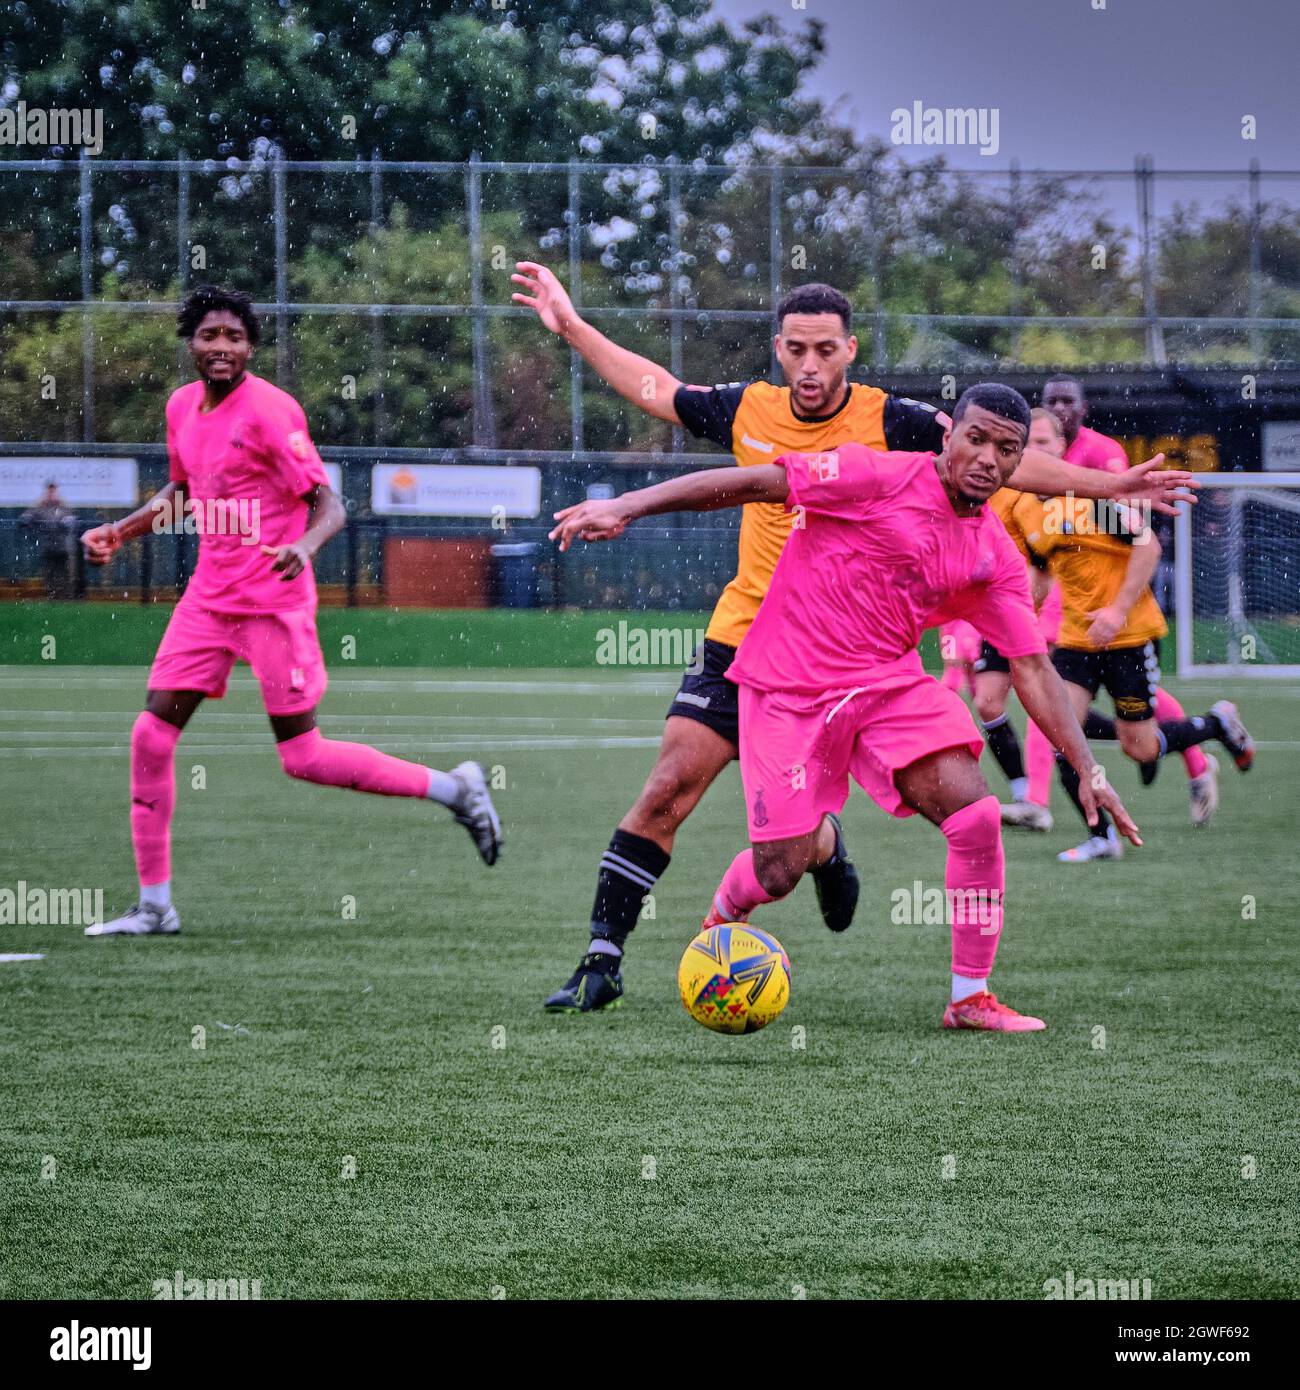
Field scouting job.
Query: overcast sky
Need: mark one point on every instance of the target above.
(1075, 87)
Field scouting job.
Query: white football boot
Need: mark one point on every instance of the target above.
(1203, 793)
(144, 919)
(1108, 846)
(1026, 815)
(474, 810)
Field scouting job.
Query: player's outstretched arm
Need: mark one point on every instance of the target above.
(708, 490)
(1111, 617)
(1043, 695)
(101, 543)
(635, 378)
(1162, 488)
(326, 516)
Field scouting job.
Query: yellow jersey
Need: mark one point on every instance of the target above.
(1085, 545)
(758, 424)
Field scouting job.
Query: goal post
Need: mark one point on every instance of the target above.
(1237, 577)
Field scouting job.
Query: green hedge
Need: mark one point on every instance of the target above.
(101, 634)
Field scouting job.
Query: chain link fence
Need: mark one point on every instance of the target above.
(390, 316)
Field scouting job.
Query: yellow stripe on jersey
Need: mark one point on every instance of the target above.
(766, 427)
(1086, 559)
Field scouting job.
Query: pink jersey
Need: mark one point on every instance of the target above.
(877, 555)
(246, 467)
(1092, 449)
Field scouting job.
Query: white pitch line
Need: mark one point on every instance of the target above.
(649, 685)
(266, 746)
(258, 719)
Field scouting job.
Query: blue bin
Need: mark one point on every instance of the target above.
(515, 567)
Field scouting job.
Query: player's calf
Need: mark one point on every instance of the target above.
(311, 757)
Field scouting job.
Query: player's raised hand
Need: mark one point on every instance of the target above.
(1162, 488)
(290, 560)
(545, 295)
(101, 543)
(1104, 797)
(591, 521)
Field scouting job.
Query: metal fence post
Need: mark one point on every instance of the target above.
(281, 270)
(377, 320)
(1013, 306)
(674, 289)
(182, 244)
(1144, 172)
(183, 222)
(774, 254)
(87, 289)
(873, 270)
(1256, 277)
(576, 430)
(485, 434)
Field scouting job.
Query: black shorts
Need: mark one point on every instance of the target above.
(1129, 674)
(990, 660)
(707, 696)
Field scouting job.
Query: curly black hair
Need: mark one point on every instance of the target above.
(1001, 400)
(204, 299)
(816, 299)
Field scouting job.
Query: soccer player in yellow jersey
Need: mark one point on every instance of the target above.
(1102, 556)
(757, 422)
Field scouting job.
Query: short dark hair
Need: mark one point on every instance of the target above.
(815, 299)
(997, 399)
(1065, 380)
(205, 299)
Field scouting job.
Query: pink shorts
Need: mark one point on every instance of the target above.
(797, 752)
(200, 646)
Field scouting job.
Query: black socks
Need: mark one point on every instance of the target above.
(629, 869)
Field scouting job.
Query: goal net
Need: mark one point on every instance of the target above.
(1237, 577)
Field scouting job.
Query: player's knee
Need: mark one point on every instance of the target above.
(1138, 741)
(777, 875)
(976, 826)
(298, 755)
(152, 737)
(989, 705)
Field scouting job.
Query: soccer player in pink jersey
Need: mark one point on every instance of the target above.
(1084, 447)
(244, 468)
(831, 683)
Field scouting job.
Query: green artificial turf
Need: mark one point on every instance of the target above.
(499, 1148)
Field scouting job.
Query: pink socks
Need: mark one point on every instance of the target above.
(309, 756)
(1167, 707)
(740, 892)
(975, 879)
(1040, 763)
(153, 795)
(332, 763)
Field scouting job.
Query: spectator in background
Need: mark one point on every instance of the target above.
(55, 528)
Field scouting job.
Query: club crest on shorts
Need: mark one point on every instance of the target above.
(760, 809)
